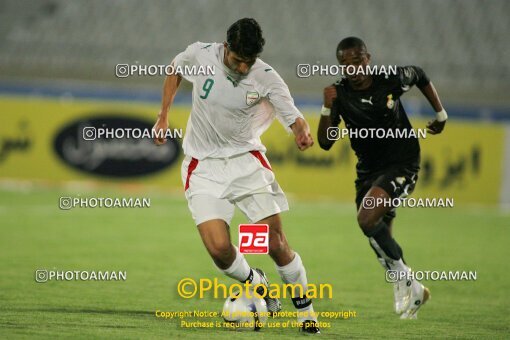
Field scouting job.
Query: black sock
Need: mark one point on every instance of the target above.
(400, 251)
(379, 257)
(387, 220)
(386, 242)
(249, 279)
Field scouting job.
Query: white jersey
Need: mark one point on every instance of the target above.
(230, 112)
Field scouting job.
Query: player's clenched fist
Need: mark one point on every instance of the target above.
(301, 131)
(329, 96)
(304, 140)
(435, 127)
(160, 128)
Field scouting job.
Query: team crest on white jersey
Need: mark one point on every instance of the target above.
(252, 97)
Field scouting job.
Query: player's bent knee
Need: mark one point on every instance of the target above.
(367, 224)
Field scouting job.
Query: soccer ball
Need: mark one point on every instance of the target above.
(242, 313)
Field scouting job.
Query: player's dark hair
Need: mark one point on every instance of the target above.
(244, 37)
(351, 42)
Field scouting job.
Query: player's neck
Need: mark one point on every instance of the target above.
(363, 86)
(225, 60)
(228, 69)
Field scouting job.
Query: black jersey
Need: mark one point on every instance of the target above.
(379, 107)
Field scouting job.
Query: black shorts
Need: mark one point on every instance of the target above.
(397, 181)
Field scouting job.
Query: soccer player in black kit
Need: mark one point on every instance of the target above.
(387, 168)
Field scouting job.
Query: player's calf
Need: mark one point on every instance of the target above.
(279, 249)
(222, 254)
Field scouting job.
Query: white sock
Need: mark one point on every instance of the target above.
(295, 273)
(241, 271)
(383, 263)
(398, 265)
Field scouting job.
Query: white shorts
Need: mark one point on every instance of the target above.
(214, 186)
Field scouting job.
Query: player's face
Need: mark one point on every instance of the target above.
(357, 57)
(237, 63)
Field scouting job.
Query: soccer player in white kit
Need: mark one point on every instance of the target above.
(225, 164)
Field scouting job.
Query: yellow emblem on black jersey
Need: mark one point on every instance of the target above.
(390, 103)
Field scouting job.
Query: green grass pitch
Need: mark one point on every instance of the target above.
(159, 246)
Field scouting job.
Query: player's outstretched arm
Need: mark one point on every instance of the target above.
(325, 122)
(437, 125)
(169, 90)
(301, 131)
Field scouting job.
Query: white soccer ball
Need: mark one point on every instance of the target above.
(242, 313)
